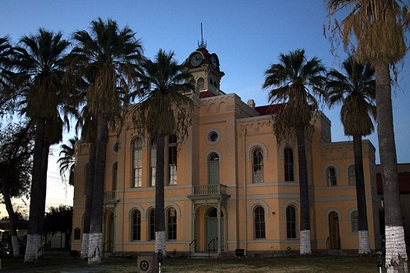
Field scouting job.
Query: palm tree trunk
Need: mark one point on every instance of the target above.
(10, 211)
(88, 200)
(96, 220)
(305, 241)
(42, 201)
(36, 204)
(364, 241)
(396, 255)
(159, 198)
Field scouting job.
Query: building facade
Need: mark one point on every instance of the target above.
(229, 185)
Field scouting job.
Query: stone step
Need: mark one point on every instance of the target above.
(205, 255)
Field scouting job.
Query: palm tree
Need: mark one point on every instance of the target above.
(16, 150)
(87, 124)
(67, 159)
(40, 64)
(378, 26)
(168, 108)
(6, 54)
(103, 56)
(288, 82)
(356, 91)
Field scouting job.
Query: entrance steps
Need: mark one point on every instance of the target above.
(205, 255)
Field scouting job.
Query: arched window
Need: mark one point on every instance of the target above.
(114, 175)
(172, 160)
(153, 161)
(192, 82)
(291, 222)
(151, 223)
(257, 165)
(213, 169)
(137, 162)
(354, 219)
(331, 176)
(289, 165)
(259, 223)
(201, 84)
(136, 225)
(171, 224)
(352, 175)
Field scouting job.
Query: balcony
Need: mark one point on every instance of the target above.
(209, 193)
(209, 189)
(110, 199)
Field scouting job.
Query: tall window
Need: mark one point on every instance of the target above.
(87, 173)
(289, 166)
(291, 222)
(171, 224)
(172, 160)
(354, 218)
(114, 175)
(213, 169)
(259, 222)
(331, 176)
(151, 228)
(137, 162)
(136, 225)
(257, 165)
(352, 175)
(201, 84)
(153, 162)
(192, 82)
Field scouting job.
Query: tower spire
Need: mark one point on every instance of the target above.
(202, 43)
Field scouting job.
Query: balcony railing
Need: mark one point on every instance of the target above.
(109, 197)
(209, 189)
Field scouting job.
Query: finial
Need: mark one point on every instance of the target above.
(202, 44)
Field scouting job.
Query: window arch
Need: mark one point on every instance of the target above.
(171, 224)
(153, 161)
(136, 225)
(137, 162)
(291, 222)
(354, 219)
(331, 177)
(201, 84)
(257, 165)
(172, 160)
(259, 222)
(289, 164)
(151, 224)
(351, 172)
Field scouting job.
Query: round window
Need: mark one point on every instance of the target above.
(115, 147)
(213, 137)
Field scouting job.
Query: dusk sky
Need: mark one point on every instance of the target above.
(247, 36)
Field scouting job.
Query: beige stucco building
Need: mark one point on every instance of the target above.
(229, 185)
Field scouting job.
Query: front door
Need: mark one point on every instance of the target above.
(334, 230)
(212, 238)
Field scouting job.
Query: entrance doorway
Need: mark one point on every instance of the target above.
(212, 237)
(334, 239)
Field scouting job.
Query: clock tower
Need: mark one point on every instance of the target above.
(204, 67)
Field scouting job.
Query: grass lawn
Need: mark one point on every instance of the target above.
(55, 262)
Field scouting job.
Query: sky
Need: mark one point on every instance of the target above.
(247, 36)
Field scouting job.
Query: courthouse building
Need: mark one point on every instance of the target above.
(229, 185)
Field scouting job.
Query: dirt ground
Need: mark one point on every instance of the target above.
(59, 263)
